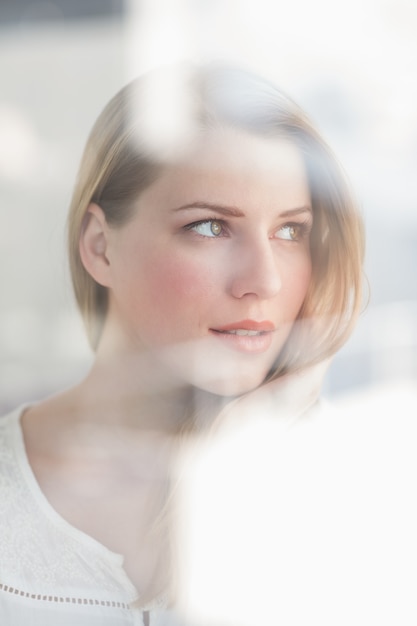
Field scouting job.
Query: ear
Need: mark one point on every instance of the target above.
(93, 245)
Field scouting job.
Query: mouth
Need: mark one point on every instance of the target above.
(251, 326)
(242, 332)
(246, 336)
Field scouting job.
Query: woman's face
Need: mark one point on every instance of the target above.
(210, 273)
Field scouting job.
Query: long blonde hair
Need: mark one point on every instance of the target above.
(118, 163)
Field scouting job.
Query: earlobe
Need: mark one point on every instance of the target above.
(93, 245)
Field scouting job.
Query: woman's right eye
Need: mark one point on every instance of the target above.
(207, 228)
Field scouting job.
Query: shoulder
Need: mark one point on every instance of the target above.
(12, 460)
(12, 416)
(9, 436)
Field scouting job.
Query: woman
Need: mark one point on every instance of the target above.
(214, 248)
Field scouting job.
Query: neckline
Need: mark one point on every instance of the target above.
(116, 559)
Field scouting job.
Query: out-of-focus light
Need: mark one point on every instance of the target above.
(157, 33)
(313, 523)
(162, 109)
(18, 146)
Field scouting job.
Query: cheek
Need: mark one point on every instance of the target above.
(304, 278)
(179, 278)
(297, 283)
(170, 295)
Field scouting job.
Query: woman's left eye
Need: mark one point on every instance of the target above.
(291, 232)
(207, 228)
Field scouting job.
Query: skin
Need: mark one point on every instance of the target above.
(172, 281)
(102, 451)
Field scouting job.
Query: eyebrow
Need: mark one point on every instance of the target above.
(234, 211)
(297, 211)
(218, 208)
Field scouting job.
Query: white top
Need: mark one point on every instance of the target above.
(51, 573)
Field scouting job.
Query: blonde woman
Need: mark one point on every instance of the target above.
(215, 250)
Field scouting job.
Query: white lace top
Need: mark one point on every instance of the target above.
(51, 573)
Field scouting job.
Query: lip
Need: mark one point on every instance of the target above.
(253, 343)
(264, 326)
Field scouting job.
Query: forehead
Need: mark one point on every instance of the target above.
(240, 151)
(232, 165)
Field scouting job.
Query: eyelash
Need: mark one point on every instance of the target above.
(208, 221)
(303, 229)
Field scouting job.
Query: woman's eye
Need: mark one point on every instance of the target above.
(290, 232)
(208, 228)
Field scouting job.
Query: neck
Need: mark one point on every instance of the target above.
(130, 385)
(132, 391)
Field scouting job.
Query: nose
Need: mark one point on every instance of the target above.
(255, 271)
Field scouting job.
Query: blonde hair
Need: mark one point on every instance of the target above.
(118, 163)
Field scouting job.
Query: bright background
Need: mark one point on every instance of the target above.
(351, 66)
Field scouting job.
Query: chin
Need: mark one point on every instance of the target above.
(230, 387)
(222, 373)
